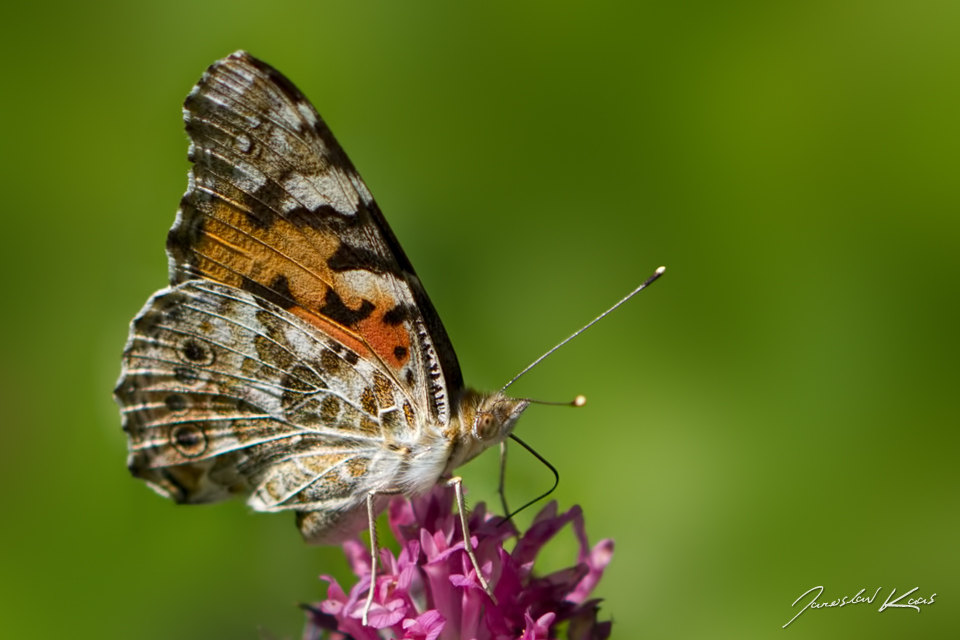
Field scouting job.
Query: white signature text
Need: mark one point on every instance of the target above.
(889, 603)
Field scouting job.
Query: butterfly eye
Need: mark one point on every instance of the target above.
(486, 427)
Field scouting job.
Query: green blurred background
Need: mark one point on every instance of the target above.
(779, 412)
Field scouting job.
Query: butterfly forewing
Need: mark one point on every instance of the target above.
(275, 208)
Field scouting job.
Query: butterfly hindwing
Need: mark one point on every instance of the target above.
(224, 393)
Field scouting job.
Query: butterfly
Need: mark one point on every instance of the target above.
(295, 357)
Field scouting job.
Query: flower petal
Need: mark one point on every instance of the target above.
(597, 561)
(427, 626)
(383, 616)
(544, 527)
(539, 630)
(358, 556)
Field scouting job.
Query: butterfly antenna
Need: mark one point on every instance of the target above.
(556, 476)
(579, 401)
(646, 283)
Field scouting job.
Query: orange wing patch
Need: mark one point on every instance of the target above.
(275, 208)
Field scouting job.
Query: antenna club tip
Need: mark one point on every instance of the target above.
(661, 270)
(579, 401)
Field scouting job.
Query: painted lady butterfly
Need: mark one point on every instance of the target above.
(295, 357)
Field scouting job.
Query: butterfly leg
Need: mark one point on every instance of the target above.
(457, 483)
(374, 547)
(502, 489)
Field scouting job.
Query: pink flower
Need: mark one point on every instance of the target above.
(431, 591)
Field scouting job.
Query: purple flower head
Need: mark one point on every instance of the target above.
(431, 592)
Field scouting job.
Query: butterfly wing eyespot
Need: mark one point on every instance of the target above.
(189, 440)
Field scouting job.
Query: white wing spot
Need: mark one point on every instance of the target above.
(307, 112)
(242, 143)
(321, 190)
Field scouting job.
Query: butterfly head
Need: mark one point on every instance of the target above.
(495, 417)
(485, 420)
